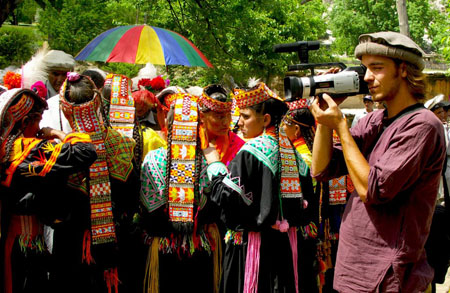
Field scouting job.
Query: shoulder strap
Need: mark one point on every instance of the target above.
(409, 110)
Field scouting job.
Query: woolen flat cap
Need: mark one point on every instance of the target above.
(59, 60)
(392, 45)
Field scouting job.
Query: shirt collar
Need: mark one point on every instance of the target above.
(389, 121)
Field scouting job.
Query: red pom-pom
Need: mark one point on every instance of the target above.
(158, 83)
(145, 82)
(154, 85)
(12, 80)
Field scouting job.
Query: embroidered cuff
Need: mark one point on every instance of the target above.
(77, 137)
(215, 169)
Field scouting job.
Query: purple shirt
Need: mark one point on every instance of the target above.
(390, 229)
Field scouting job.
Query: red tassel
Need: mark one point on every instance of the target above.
(86, 254)
(111, 278)
(195, 238)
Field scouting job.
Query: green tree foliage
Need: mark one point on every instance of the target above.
(445, 39)
(26, 11)
(350, 18)
(16, 45)
(75, 25)
(237, 36)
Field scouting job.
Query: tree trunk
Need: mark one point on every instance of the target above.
(145, 17)
(15, 18)
(403, 17)
(6, 8)
(137, 15)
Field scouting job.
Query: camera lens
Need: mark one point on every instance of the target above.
(293, 88)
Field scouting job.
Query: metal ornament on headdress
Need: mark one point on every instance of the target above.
(213, 104)
(255, 96)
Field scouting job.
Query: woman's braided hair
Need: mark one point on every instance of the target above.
(169, 149)
(276, 109)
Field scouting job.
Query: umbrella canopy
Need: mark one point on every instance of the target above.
(141, 44)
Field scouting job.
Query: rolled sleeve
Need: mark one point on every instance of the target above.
(400, 165)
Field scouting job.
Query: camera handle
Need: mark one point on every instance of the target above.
(312, 66)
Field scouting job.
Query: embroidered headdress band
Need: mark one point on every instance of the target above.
(121, 109)
(9, 115)
(214, 104)
(83, 118)
(298, 104)
(295, 105)
(183, 152)
(169, 100)
(255, 96)
(22, 107)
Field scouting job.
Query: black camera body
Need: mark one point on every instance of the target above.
(348, 82)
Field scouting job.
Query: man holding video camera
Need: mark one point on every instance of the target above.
(394, 158)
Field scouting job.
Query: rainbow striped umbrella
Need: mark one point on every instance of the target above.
(141, 44)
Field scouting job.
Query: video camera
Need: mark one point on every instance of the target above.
(348, 82)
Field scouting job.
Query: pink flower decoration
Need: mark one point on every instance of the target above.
(40, 88)
(73, 76)
(284, 226)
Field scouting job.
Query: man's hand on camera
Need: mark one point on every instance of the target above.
(327, 112)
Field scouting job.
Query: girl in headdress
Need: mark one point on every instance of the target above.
(97, 243)
(299, 126)
(33, 172)
(259, 255)
(179, 222)
(318, 232)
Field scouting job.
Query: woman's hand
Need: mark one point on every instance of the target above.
(50, 133)
(211, 153)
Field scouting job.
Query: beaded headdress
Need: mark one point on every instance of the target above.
(295, 105)
(121, 109)
(84, 118)
(183, 148)
(213, 104)
(254, 96)
(10, 115)
(165, 96)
